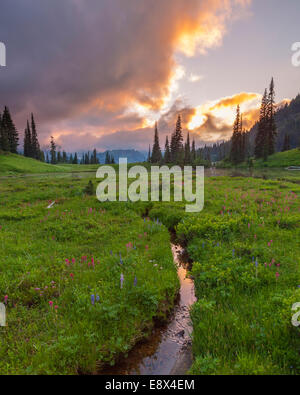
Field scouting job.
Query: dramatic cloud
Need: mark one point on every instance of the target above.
(93, 71)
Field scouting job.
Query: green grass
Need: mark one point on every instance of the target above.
(34, 245)
(242, 320)
(11, 164)
(278, 160)
(281, 159)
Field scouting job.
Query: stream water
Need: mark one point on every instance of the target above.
(168, 349)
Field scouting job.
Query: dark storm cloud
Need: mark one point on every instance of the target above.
(80, 63)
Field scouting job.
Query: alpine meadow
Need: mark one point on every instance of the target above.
(149, 190)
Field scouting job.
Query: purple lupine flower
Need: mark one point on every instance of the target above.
(122, 280)
(135, 281)
(233, 252)
(256, 263)
(97, 298)
(93, 299)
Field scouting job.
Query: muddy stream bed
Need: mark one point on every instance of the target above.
(168, 349)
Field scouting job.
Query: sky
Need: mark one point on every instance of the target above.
(100, 73)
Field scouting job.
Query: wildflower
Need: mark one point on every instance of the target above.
(93, 299)
(56, 307)
(51, 303)
(37, 289)
(122, 280)
(147, 247)
(5, 298)
(135, 281)
(97, 298)
(72, 276)
(73, 260)
(277, 275)
(256, 263)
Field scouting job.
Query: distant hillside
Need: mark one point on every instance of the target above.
(281, 159)
(11, 163)
(18, 164)
(288, 122)
(132, 155)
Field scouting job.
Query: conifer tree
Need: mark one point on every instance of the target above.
(187, 150)
(260, 149)
(27, 141)
(59, 157)
(94, 159)
(176, 142)
(5, 138)
(107, 158)
(193, 153)
(53, 151)
(167, 155)
(75, 160)
(235, 154)
(10, 133)
(149, 155)
(156, 156)
(64, 157)
(35, 146)
(271, 112)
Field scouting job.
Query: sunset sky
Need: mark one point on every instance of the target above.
(99, 73)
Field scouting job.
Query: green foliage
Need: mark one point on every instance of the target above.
(89, 189)
(65, 255)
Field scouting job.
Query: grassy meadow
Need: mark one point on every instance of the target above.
(245, 252)
(84, 281)
(81, 281)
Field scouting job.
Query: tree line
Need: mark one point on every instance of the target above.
(265, 139)
(176, 151)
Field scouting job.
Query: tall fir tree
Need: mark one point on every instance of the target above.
(187, 151)
(10, 131)
(59, 157)
(94, 159)
(107, 158)
(35, 146)
(261, 145)
(64, 157)
(149, 155)
(5, 130)
(167, 154)
(193, 152)
(271, 112)
(75, 160)
(27, 141)
(176, 142)
(53, 159)
(156, 156)
(236, 140)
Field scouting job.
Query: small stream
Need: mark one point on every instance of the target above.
(168, 350)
